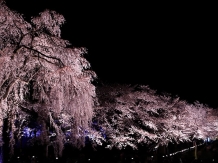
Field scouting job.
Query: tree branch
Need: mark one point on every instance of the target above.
(61, 64)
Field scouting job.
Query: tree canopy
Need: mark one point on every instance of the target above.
(42, 75)
(133, 115)
(46, 85)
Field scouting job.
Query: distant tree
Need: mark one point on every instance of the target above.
(196, 121)
(42, 79)
(133, 115)
(210, 124)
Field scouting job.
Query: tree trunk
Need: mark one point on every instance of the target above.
(196, 156)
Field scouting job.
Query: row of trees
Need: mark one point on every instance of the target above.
(133, 115)
(46, 86)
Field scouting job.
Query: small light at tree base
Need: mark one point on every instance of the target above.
(56, 158)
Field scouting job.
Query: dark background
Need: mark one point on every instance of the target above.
(171, 47)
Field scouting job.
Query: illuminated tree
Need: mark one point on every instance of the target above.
(45, 81)
(42, 76)
(133, 115)
(196, 121)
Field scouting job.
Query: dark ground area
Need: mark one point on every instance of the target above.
(206, 153)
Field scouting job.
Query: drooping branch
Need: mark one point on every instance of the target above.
(61, 64)
(10, 87)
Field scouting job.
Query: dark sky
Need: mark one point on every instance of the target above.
(170, 47)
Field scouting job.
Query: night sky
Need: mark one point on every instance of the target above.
(170, 47)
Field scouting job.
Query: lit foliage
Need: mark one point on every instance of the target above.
(41, 75)
(44, 81)
(133, 115)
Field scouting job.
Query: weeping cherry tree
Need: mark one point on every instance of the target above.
(42, 75)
